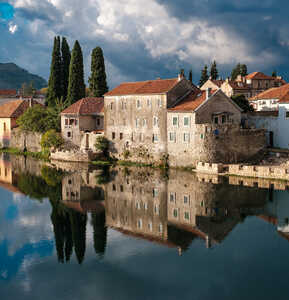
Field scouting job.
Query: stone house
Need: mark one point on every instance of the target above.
(82, 122)
(249, 85)
(269, 99)
(275, 122)
(205, 126)
(9, 113)
(212, 84)
(136, 117)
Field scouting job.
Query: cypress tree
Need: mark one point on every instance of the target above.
(182, 72)
(191, 76)
(214, 71)
(76, 86)
(65, 62)
(236, 71)
(97, 81)
(243, 70)
(274, 73)
(99, 233)
(204, 76)
(54, 84)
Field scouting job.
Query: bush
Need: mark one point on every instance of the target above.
(51, 139)
(102, 144)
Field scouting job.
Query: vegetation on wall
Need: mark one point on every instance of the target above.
(51, 139)
(102, 144)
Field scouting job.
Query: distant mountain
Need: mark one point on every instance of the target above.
(12, 77)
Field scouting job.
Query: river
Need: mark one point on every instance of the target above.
(78, 232)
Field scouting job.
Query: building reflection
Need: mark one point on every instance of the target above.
(174, 210)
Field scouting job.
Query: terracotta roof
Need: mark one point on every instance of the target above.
(258, 75)
(191, 102)
(8, 92)
(14, 109)
(281, 93)
(158, 86)
(85, 106)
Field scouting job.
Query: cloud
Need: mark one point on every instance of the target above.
(12, 27)
(153, 38)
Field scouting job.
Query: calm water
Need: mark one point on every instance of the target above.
(138, 234)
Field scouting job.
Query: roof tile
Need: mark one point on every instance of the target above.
(281, 93)
(14, 109)
(85, 106)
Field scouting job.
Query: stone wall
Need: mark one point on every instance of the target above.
(259, 171)
(25, 140)
(230, 144)
(74, 156)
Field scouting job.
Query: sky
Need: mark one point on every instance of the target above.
(147, 39)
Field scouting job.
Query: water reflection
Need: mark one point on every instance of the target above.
(173, 210)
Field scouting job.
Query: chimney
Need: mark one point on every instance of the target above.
(208, 93)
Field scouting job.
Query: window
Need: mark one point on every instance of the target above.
(186, 200)
(138, 103)
(172, 197)
(155, 192)
(71, 121)
(161, 228)
(187, 215)
(113, 187)
(150, 226)
(111, 106)
(98, 122)
(139, 223)
(216, 120)
(157, 209)
(136, 123)
(137, 205)
(141, 138)
(121, 188)
(160, 102)
(113, 135)
(66, 121)
(156, 122)
(149, 103)
(121, 136)
(175, 213)
(75, 123)
(123, 105)
(175, 121)
(172, 137)
(144, 122)
(4, 127)
(155, 138)
(223, 119)
(68, 133)
(186, 121)
(145, 206)
(286, 114)
(186, 137)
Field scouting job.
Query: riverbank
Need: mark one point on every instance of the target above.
(44, 155)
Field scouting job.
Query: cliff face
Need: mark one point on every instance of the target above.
(12, 77)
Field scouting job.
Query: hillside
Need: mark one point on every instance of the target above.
(12, 77)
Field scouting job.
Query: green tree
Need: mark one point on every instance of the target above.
(55, 83)
(204, 76)
(65, 62)
(274, 74)
(38, 119)
(242, 102)
(191, 76)
(102, 144)
(243, 70)
(97, 81)
(236, 71)
(214, 71)
(76, 86)
(50, 139)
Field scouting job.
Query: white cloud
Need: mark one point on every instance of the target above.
(12, 27)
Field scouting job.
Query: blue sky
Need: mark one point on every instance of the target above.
(146, 39)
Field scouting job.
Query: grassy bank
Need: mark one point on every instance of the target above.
(37, 155)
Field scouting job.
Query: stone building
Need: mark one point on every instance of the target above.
(249, 85)
(173, 121)
(82, 122)
(205, 126)
(9, 113)
(136, 117)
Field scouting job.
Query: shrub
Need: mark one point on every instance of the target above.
(102, 144)
(126, 154)
(51, 139)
